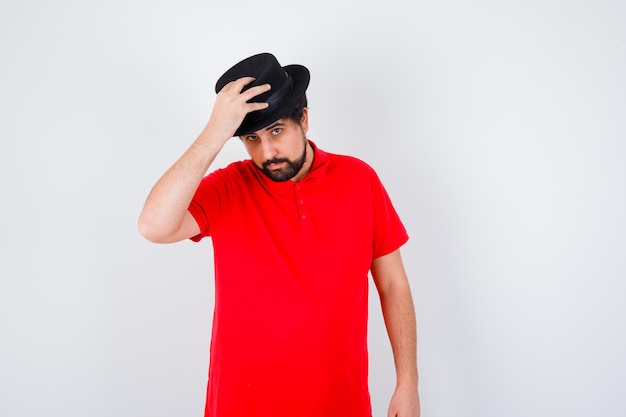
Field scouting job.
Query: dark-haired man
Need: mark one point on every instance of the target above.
(295, 232)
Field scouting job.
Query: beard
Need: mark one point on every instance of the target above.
(286, 172)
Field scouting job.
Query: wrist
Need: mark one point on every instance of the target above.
(407, 382)
(218, 130)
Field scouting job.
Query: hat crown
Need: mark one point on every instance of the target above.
(264, 67)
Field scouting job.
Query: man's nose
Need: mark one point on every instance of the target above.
(268, 149)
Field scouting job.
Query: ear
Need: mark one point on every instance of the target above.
(304, 121)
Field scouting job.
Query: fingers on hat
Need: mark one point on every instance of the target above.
(239, 83)
(256, 90)
(254, 106)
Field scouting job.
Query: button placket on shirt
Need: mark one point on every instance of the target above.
(300, 199)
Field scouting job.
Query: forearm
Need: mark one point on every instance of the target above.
(166, 206)
(399, 315)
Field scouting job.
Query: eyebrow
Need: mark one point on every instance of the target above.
(278, 123)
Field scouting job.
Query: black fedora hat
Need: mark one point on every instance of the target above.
(288, 86)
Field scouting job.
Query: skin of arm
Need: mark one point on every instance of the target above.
(399, 314)
(165, 217)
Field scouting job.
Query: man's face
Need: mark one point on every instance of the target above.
(280, 149)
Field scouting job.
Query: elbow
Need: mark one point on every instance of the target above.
(156, 230)
(148, 230)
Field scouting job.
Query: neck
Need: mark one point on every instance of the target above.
(308, 163)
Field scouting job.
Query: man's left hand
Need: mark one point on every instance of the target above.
(404, 403)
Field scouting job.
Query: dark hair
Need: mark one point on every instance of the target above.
(296, 113)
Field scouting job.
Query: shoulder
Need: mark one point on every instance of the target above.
(239, 170)
(348, 161)
(225, 181)
(346, 164)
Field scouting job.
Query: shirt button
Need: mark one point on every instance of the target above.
(301, 201)
(297, 187)
(304, 217)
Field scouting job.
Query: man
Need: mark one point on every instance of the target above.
(295, 232)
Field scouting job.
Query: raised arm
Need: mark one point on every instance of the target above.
(165, 217)
(397, 306)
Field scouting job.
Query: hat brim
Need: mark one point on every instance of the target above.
(301, 77)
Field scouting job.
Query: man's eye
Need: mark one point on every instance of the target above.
(276, 131)
(252, 138)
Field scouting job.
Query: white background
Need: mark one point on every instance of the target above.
(498, 128)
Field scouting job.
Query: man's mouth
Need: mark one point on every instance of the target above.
(274, 164)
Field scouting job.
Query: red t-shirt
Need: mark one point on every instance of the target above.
(291, 284)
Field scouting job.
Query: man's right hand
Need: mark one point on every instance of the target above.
(231, 106)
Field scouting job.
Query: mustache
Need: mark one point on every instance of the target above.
(274, 161)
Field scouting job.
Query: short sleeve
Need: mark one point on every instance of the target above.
(389, 232)
(205, 203)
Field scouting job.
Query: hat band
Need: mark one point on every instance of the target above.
(274, 100)
(282, 93)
